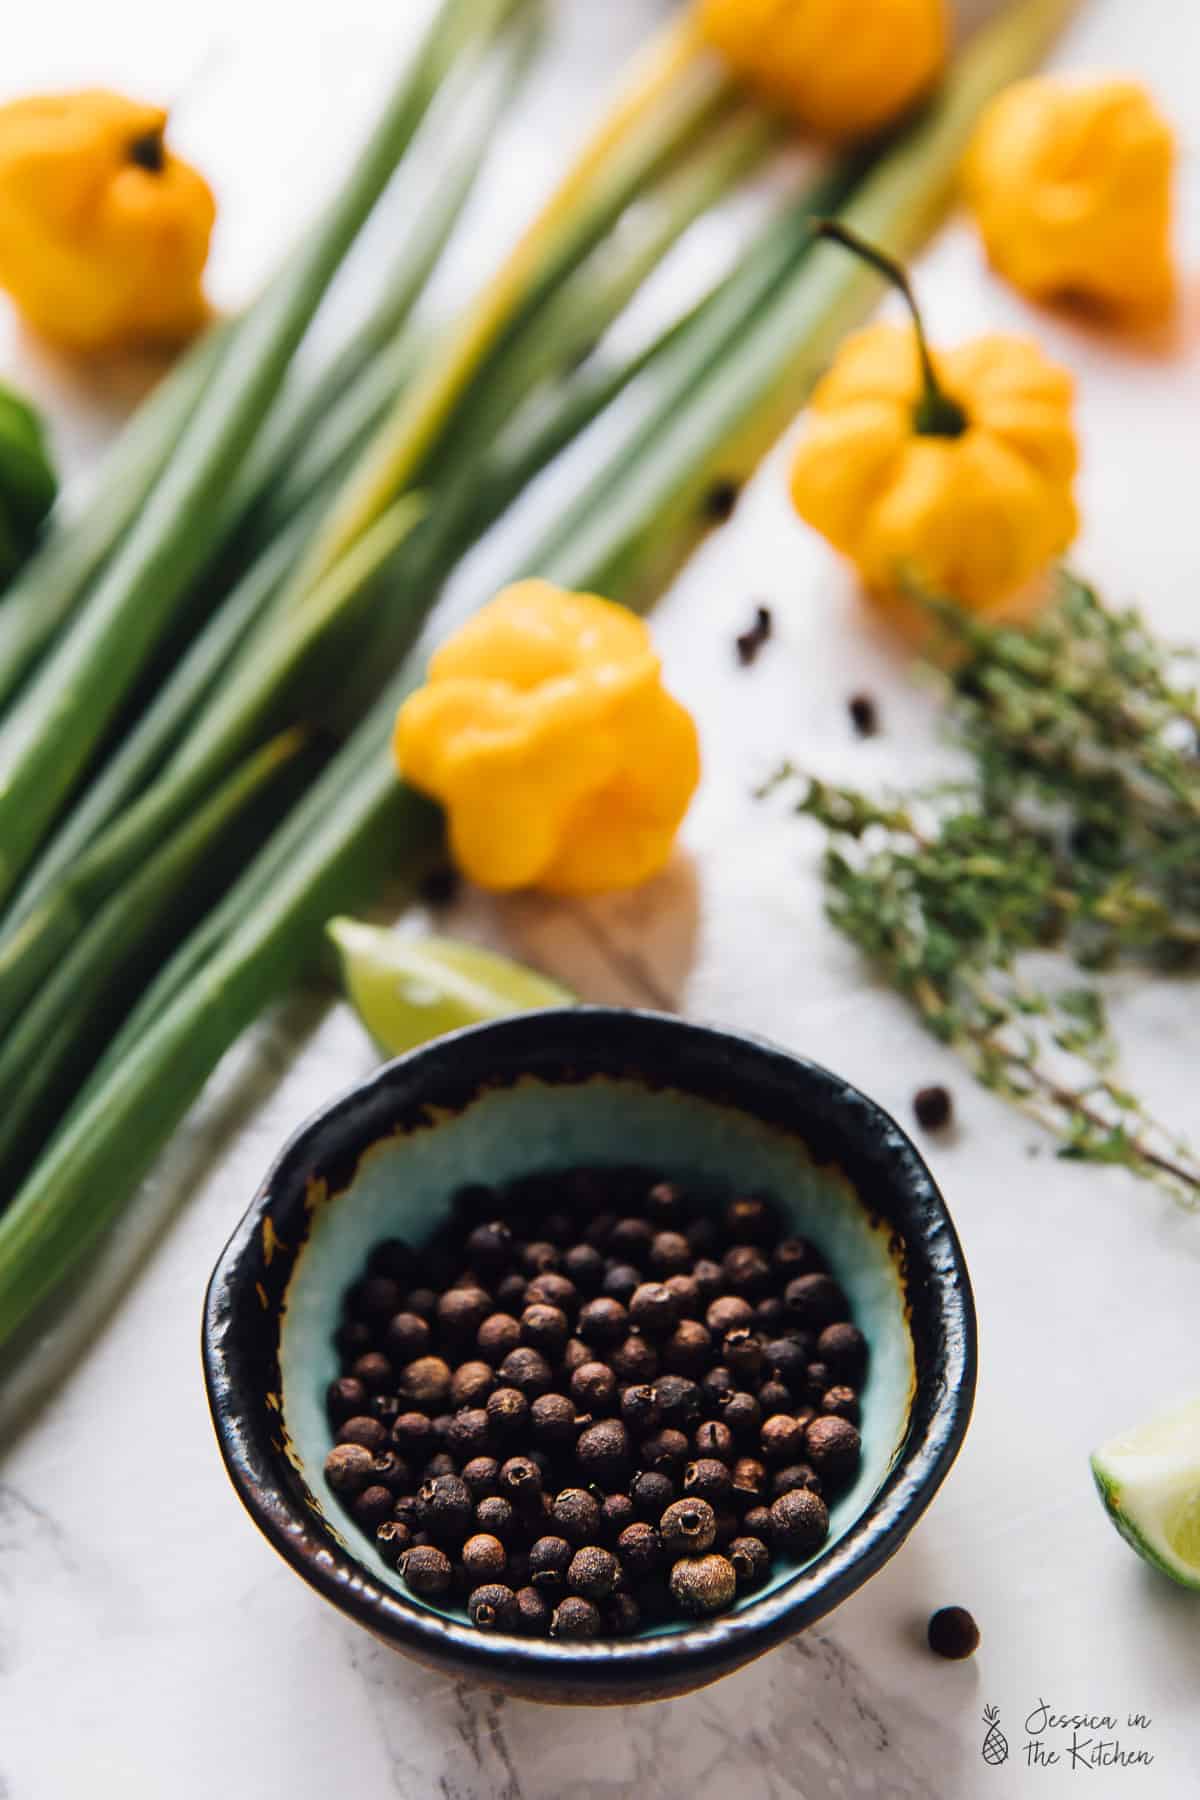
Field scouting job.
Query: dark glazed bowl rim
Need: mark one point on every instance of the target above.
(843, 1126)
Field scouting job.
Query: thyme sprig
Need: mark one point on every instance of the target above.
(1073, 843)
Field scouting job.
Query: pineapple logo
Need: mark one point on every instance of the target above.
(995, 1744)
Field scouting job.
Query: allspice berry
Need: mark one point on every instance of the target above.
(634, 1359)
(462, 1310)
(507, 1410)
(498, 1334)
(540, 1258)
(374, 1370)
(594, 1387)
(687, 1527)
(367, 1431)
(654, 1309)
(425, 1383)
(427, 1571)
(412, 1434)
(552, 1289)
(584, 1265)
(726, 1313)
(639, 1408)
(665, 1451)
(576, 1619)
(621, 1282)
(680, 1401)
(622, 1616)
(493, 1607)
(533, 1613)
(631, 1238)
(742, 1352)
(687, 1350)
(713, 1438)
(833, 1447)
(552, 1420)
(471, 1383)
(670, 1254)
(372, 1506)
(484, 1557)
(782, 1438)
(749, 1478)
(496, 1517)
(708, 1479)
(521, 1483)
(593, 1572)
(795, 1475)
(617, 1512)
(489, 1248)
(742, 1413)
(406, 1337)
(549, 1560)
(747, 1270)
(602, 1455)
(445, 1509)
(392, 1539)
(751, 1562)
(651, 1493)
(603, 1321)
(527, 1370)
(467, 1435)
(843, 1348)
(841, 1402)
(545, 1327)
(814, 1301)
(640, 1550)
(799, 1522)
(785, 1360)
(349, 1469)
(953, 1633)
(703, 1585)
(576, 1515)
(345, 1398)
(482, 1476)
(686, 1290)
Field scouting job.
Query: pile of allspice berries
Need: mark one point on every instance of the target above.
(592, 1402)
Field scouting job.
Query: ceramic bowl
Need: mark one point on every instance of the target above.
(553, 1090)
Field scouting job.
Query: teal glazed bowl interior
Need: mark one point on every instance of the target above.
(548, 1091)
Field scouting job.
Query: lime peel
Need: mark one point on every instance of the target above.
(408, 990)
(1149, 1481)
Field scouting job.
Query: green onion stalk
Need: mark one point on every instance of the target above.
(359, 826)
(51, 732)
(246, 668)
(46, 1057)
(41, 597)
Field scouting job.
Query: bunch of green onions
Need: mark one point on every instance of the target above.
(174, 831)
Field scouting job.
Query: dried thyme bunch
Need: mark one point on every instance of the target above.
(1077, 833)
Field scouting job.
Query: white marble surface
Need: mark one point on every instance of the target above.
(150, 1643)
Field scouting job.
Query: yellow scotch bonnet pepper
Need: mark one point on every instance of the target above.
(957, 478)
(1070, 183)
(843, 68)
(545, 731)
(103, 232)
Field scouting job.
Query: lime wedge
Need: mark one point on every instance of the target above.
(409, 990)
(1149, 1481)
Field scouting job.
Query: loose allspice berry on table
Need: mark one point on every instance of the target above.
(594, 1401)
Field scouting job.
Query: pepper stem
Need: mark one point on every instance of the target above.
(149, 151)
(936, 414)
